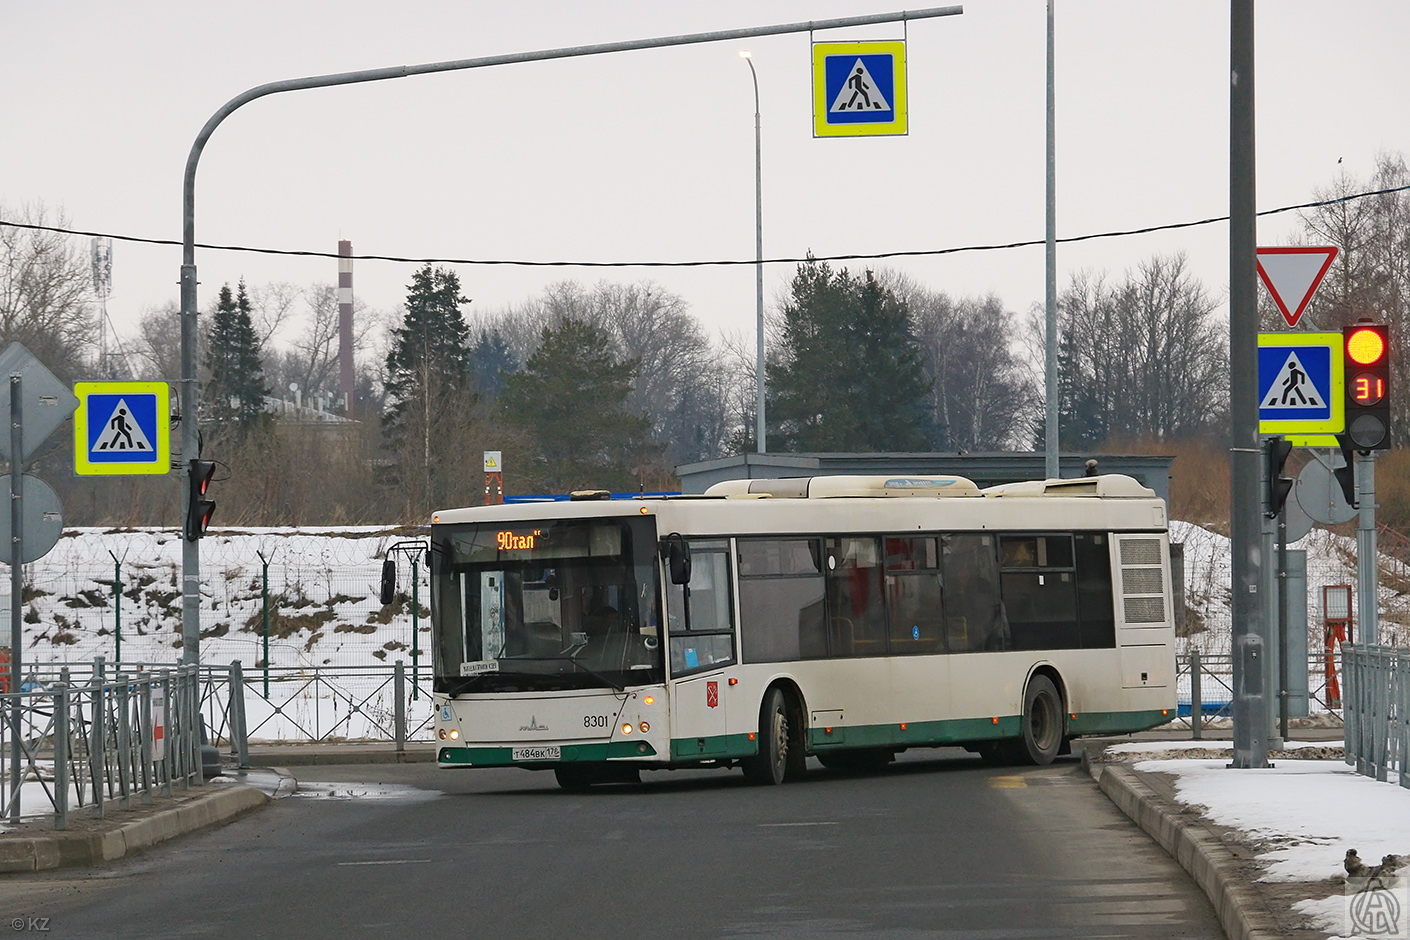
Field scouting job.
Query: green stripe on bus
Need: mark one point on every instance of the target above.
(915, 733)
(572, 753)
(1118, 722)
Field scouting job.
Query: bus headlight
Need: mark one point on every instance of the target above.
(645, 727)
(455, 734)
(627, 728)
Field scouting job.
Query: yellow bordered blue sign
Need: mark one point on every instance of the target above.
(122, 428)
(1301, 384)
(859, 88)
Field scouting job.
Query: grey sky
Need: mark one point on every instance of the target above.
(650, 155)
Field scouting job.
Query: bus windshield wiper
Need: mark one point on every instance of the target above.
(574, 660)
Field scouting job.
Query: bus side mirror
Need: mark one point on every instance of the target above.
(677, 554)
(389, 582)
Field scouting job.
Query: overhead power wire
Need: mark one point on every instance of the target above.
(857, 256)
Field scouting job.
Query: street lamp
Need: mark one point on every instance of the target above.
(758, 251)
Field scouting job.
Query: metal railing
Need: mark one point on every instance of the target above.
(1205, 684)
(90, 738)
(1377, 708)
(330, 704)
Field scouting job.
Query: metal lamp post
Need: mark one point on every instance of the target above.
(758, 252)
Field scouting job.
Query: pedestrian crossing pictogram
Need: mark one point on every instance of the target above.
(1292, 388)
(122, 433)
(859, 92)
(122, 428)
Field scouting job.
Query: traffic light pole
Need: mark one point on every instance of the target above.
(1367, 572)
(1250, 706)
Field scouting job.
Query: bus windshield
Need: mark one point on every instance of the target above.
(568, 604)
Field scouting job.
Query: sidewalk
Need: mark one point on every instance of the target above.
(1266, 846)
(35, 845)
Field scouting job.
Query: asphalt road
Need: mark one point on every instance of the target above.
(938, 846)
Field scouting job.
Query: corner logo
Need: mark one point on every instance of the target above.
(533, 725)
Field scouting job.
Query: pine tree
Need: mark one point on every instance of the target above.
(235, 391)
(491, 360)
(570, 400)
(428, 381)
(847, 375)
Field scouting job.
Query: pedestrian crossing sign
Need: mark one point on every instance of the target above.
(1301, 383)
(122, 428)
(859, 88)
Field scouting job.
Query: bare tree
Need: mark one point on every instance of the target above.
(45, 291)
(1143, 358)
(980, 397)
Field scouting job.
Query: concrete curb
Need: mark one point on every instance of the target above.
(1241, 910)
(61, 849)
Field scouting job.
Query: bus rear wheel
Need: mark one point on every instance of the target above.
(776, 761)
(1043, 724)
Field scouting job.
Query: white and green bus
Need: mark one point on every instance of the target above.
(847, 618)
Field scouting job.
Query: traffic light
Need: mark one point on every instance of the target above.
(1367, 349)
(1275, 453)
(200, 506)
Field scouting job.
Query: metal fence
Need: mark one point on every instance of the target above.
(83, 737)
(1205, 690)
(330, 704)
(1378, 711)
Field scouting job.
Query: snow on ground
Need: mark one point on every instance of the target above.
(1300, 815)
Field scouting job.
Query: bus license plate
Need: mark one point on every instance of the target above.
(551, 752)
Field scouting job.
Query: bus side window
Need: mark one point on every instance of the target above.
(781, 600)
(1038, 583)
(913, 596)
(974, 612)
(1095, 606)
(699, 613)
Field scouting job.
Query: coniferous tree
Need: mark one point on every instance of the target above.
(491, 361)
(234, 394)
(428, 383)
(570, 401)
(847, 375)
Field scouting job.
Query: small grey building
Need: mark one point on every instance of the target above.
(984, 469)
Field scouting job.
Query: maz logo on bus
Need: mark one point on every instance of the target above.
(509, 541)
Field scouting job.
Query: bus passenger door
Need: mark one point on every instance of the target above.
(698, 716)
(700, 637)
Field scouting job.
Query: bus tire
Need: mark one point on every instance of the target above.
(866, 760)
(1043, 725)
(771, 765)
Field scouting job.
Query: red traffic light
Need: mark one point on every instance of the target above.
(199, 507)
(1366, 345)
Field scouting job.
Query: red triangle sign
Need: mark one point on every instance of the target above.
(1292, 275)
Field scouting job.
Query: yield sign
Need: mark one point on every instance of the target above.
(1292, 275)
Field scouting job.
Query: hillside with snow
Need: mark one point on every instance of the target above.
(321, 584)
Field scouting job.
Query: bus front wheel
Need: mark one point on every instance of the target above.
(774, 763)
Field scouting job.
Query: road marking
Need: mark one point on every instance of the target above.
(1008, 782)
(390, 861)
(782, 825)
